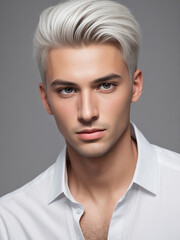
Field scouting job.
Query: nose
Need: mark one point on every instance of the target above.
(87, 107)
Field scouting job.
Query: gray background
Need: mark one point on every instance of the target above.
(29, 139)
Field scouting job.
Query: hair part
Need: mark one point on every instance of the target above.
(83, 22)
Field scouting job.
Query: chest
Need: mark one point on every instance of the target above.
(95, 226)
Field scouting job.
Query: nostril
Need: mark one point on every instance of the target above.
(94, 118)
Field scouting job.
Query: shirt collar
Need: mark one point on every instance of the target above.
(145, 174)
(146, 169)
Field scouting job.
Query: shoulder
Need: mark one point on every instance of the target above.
(168, 158)
(35, 189)
(168, 177)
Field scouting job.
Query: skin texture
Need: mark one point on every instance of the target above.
(88, 89)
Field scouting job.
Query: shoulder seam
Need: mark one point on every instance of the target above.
(25, 188)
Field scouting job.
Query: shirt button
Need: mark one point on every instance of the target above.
(78, 211)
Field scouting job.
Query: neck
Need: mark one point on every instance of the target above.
(106, 175)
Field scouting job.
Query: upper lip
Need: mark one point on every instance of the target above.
(90, 130)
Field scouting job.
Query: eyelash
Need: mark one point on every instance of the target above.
(112, 85)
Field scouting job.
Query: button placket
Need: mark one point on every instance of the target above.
(78, 211)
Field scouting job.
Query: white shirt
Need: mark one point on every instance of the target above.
(44, 209)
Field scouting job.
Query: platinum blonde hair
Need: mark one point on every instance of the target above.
(83, 22)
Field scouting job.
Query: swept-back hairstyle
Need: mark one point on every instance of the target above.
(83, 22)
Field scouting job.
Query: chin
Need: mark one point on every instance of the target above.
(91, 155)
(92, 151)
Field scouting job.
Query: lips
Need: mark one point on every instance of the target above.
(90, 131)
(91, 134)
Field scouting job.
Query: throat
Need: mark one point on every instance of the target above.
(108, 176)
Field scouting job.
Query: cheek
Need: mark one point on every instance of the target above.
(64, 115)
(117, 105)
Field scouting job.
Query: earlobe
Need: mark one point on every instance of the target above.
(137, 85)
(44, 99)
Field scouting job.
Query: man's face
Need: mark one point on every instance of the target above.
(89, 93)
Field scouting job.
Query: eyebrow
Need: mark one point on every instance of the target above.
(107, 78)
(98, 80)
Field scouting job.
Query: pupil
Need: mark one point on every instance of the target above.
(106, 85)
(68, 90)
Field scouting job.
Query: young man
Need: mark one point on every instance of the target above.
(109, 182)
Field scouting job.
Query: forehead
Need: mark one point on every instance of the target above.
(87, 62)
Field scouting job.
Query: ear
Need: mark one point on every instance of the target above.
(44, 98)
(137, 85)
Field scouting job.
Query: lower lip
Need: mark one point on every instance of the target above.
(91, 136)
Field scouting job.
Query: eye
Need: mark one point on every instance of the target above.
(106, 86)
(67, 90)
